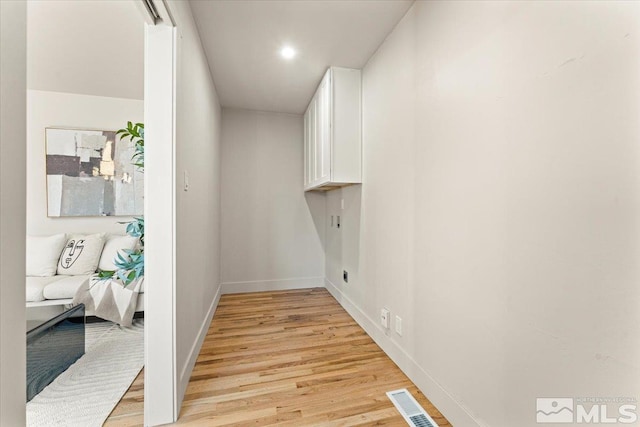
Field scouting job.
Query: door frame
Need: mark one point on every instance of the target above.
(160, 384)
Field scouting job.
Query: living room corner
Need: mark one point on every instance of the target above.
(78, 91)
(84, 184)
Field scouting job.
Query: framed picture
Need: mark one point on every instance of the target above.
(89, 173)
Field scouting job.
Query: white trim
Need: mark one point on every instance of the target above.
(272, 285)
(144, 12)
(160, 382)
(197, 345)
(166, 18)
(453, 410)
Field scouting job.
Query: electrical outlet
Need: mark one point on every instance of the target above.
(345, 276)
(399, 325)
(384, 318)
(338, 222)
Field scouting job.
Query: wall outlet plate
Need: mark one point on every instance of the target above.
(345, 276)
(384, 318)
(399, 325)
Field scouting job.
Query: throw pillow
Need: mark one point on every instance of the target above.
(43, 253)
(81, 254)
(114, 245)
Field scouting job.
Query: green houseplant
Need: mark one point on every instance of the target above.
(130, 263)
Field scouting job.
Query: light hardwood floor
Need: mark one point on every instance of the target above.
(286, 358)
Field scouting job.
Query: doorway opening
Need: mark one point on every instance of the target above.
(85, 83)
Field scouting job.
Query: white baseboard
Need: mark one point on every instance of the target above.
(455, 412)
(185, 373)
(272, 285)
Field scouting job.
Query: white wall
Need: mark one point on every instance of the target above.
(56, 109)
(197, 220)
(13, 86)
(87, 47)
(272, 233)
(499, 214)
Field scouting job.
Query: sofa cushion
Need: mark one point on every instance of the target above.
(43, 253)
(81, 254)
(65, 287)
(36, 286)
(113, 245)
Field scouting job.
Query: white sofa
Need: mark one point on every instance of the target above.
(58, 265)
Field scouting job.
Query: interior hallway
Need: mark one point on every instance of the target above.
(286, 358)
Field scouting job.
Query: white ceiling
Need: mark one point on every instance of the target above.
(91, 47)
(242, 39)
(95, 47)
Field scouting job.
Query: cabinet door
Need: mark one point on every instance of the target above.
(313, 126)
(323, 132)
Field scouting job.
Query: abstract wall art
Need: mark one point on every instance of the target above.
(89, 173)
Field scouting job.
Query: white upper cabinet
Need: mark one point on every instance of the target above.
(332, 132)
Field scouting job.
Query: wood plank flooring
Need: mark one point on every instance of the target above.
(286, 358)
(130, 410)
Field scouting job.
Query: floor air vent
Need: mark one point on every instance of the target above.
(410, 409)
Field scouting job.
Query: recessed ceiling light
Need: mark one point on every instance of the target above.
(288, 52)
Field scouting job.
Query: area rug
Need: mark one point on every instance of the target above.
(85, 394)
